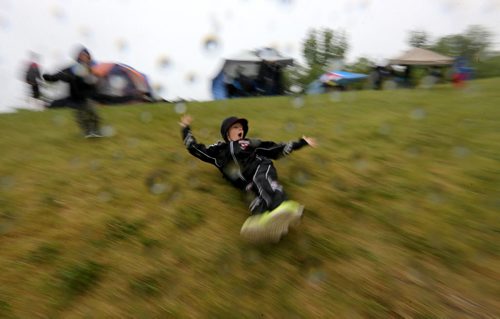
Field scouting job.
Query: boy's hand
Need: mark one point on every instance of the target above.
(310, 140)
(186, 120)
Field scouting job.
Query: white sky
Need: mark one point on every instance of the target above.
(141, 33)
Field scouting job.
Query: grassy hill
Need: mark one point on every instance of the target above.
(401, 219)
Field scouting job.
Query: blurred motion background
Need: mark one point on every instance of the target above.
(181, 45)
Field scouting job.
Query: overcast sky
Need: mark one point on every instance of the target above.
(166, 39)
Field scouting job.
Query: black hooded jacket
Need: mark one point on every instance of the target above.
(82, 83)
(238, 160)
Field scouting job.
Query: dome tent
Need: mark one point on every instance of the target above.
(120, 83)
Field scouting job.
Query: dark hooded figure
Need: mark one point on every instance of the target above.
(247, 164)
(33, 75)
(82, 88)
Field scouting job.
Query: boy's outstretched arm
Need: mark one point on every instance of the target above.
(206, 154)
(311, 141)
(276, 150)
(63, 75)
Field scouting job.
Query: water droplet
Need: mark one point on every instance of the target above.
(316, 276)
(232, 171)
(361, 165)
(290, 127)
(133, 142)
(108, 131)
(296, 89)
(85, 32)
(95, 164)
(191, 78)
(158, 188)
(390, 85)
(121, 45)
(159, 88)
(146, 117)
(385, 129)
(6, 182)
(335, 96)
(460, 151)
(58, 120)
(417, 114)
(58, 13)
(164, 62)
(180, 108)
(298, 102)
(104, 197)
(117, 83)
(435, 198)
(413, 151)
(428, 81)
(211, 44)
(75, 162)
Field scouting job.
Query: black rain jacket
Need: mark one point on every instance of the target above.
(238, 160)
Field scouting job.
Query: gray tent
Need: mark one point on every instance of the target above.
(419, 56)
(246, 63)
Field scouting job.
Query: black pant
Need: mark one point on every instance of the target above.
(35, 91)
(269, 193)
(86, 117)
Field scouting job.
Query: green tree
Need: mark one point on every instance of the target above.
(320, 49)
(361, 65)
(471, 44)
(323, 46)
(310, 50)
(418, 39)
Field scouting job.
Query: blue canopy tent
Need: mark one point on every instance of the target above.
(334, 79)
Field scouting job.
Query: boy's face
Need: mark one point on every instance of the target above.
(235, 132)
(85, 59)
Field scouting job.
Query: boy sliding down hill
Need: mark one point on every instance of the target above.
(247, 164)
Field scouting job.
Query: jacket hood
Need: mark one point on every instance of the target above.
(81, 52)
(228, 122)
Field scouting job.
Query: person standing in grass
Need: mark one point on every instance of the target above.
(82, 87)
(247, 164)
(33, 77)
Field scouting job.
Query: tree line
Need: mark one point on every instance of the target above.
(325, 49)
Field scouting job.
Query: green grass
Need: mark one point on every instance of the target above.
(401, 219)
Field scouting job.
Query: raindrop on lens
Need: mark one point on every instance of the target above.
(118, 83)
(210, 43)
(108, 131)
(121, 45)
(296, 89)
(180, 108)
(158, 188)
(191, 77)
(146, 117)
(336, 96)
(104, 197)
(417, 114)
(361, 165)
(384, 129)
(428, 81)
(290, 127)
(390, 85)
(6, 182)
(95, 165)
(298, 102)
(460, 151)
(158, 88)
(164, 62)
(58, 120)
(57, 13)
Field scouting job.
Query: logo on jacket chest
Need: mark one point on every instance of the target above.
(244, 144)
